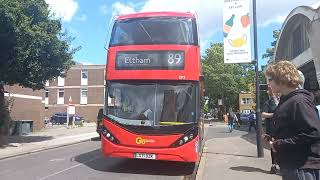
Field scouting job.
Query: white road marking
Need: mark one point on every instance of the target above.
(67, 169)
(52, 160)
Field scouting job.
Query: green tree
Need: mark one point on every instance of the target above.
(205, 108)
(270, 51)
(225, 81)
(268, 55)
(33, 48)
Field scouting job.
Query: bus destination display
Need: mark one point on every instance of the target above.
(147, 60)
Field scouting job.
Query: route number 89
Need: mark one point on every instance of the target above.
(174, 58)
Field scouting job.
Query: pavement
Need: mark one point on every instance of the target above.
(48, 138)
(225, 156)
(233, 156)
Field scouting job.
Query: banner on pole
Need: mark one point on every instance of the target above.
(236, 31)
(71, 109)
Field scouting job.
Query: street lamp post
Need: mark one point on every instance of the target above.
(258, 116)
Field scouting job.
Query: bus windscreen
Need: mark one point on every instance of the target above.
(154, 30)
(151, 104)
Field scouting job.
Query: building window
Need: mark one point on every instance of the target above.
(60, 99)
(84, 96)
(46, 93)
(84, 77)
(60, 81)
(246, 101)
(46, 97)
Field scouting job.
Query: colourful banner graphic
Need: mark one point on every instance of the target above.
(236, 31)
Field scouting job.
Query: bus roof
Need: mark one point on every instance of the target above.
(153, 14)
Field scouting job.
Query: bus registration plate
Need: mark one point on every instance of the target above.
(144, 156)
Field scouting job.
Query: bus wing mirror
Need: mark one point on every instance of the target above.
(100, 114)
(202, 77)
(202, 84)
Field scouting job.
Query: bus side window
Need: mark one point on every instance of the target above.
(110, 92)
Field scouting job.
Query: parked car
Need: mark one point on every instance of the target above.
(61, 118)
(244, 118)
(99, 122)
(207, 116)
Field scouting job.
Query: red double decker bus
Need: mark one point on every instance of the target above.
(152, 101)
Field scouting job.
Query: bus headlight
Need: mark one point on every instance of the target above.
(187, 137)
(107, 134)
(180, 142)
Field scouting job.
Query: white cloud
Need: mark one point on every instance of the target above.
(316, 5)
(64, 9)
(84, 62)
(276, 11)
(119, 8)
(208, 11)
(278, 19)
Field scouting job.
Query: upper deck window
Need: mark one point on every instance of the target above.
(154, 30)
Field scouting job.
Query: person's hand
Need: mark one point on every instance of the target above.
(269, 140)
(271, 146)
(266, 138)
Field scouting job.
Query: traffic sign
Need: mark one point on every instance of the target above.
(71, 107)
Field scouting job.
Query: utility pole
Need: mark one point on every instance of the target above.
(258, 114)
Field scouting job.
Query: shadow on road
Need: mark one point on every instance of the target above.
(241, 155)
(249, 169)
(243, 129)
(95, 139)
(252, 138)
(133, 166)
(28, 139)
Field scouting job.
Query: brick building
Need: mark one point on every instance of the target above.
(26, 104)
(83, 83)
(246, 102)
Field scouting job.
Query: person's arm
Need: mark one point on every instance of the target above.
(236, 118)
(307, 125)
(266, 115)
(265, 111)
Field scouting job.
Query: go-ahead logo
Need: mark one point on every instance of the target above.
(140, 140)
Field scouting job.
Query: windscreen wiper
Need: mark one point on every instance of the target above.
(144, 29)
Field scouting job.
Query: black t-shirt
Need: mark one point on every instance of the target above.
(269, 106)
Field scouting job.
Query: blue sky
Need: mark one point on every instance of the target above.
(88, 21)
